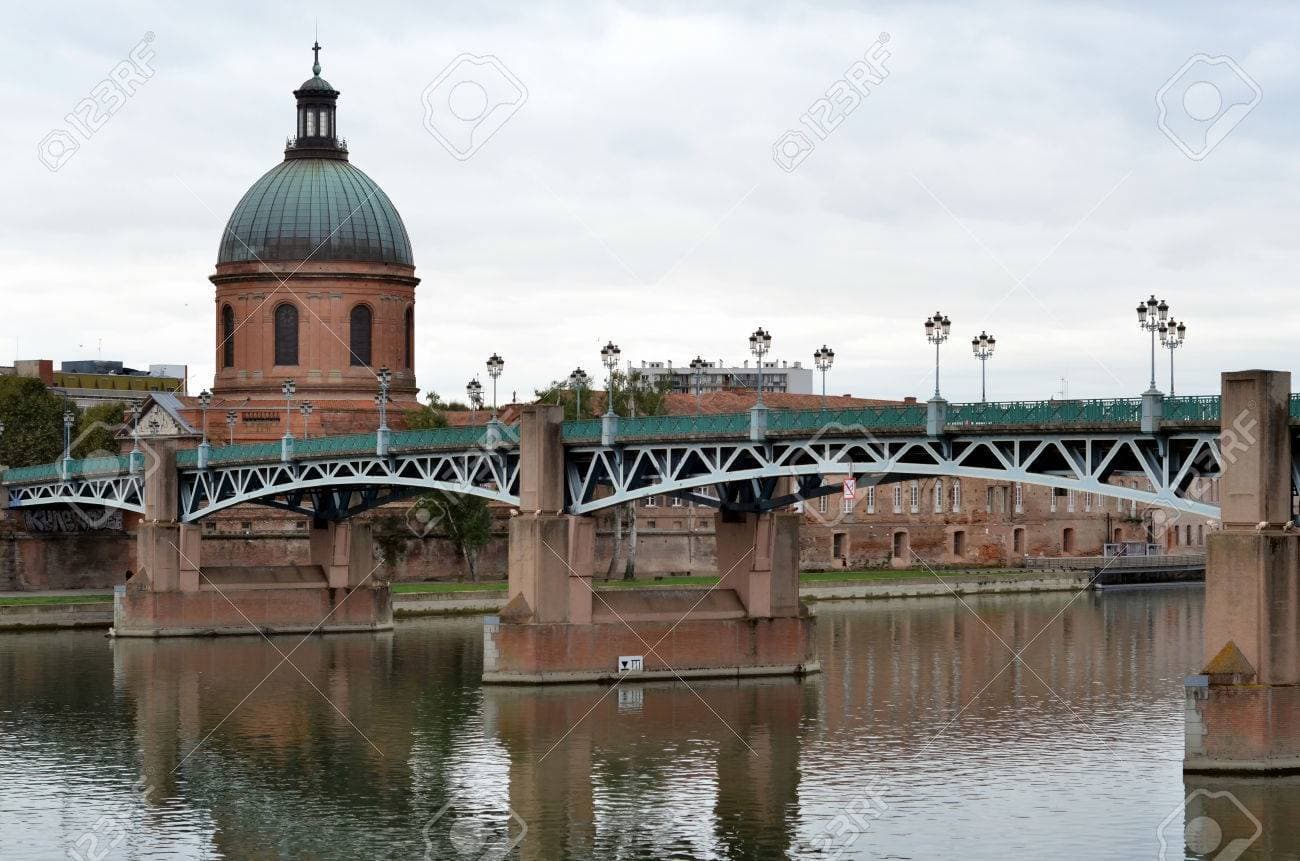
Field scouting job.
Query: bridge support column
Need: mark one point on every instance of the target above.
(1243, 710)
(555, 628)
(173, 595)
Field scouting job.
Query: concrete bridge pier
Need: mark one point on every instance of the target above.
(1243, 710)
(173, 594)
(555, 628)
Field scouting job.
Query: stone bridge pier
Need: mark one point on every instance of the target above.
(1243, 710)
(173, 594)
(557, 628)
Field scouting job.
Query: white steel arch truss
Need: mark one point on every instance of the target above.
(124, 491)
(335, 488)
(748, 475)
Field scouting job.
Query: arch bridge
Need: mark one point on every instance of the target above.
(743, 462)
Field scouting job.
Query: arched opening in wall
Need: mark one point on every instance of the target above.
(408, 329)
(360, 325)
(286, 334)
(1067, 540)
(1018, 540)
(227, 336)
(959, 543)
(1119, 536)
(901, 546)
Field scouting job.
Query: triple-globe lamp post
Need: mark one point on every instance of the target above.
(937, 329)
(823, 359)
(982, 347)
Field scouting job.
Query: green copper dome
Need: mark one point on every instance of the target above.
(315, 209)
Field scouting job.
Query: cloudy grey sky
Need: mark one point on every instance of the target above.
(1009, 170)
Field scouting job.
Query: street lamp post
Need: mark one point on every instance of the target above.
(609, 358)
(306, 409)
(1172, 337)
(287, 388)
(382, 399)
(205, 401)
(697, 373)
(759, 344)
(577, 380)
(68, 420)
(609, 355)
(823, 359)
(136, 458)
(1153, 314)
(231, 418)
(937, 329)
(494, 365)
(982, 346)
(474, 391)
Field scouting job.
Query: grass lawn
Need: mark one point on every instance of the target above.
(489, 586)
(28, 600)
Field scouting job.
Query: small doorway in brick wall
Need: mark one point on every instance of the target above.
(1067, 540)
(1018, 540)
(840, 547)
(1119, 536)
(959, 543)
(901, 546)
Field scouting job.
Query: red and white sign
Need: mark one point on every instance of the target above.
(850, 488)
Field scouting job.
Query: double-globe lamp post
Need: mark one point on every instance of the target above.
(205, 401)
(759, 344)
(578, 380)
(494, 365)
(382, 400)
(1172, 337)
(982, 346)
(937, 329)
(823, 359)
(697, 373)
(609, 358)
(474, 391)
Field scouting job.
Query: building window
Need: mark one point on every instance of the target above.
(324, 124)
(652, 502)
(1069, 502)
(359, 329)
(1188, 534)
(1052, 502)
(677, 502)
(988, 505)
(227, 336)
(286, 334)
(938, 495)
(1087, 501)
(915, 497)
(956, 494)
(846, 504)
(898, 499)
(821, 504)
(959, 543)
(1020, 498)
(1200, 533)
(410, 338)
(311, 124)
(871, 499)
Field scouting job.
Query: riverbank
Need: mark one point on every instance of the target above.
(67, 609)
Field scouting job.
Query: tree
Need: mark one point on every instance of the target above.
(633, 396)
(559, 394)
(95, 433)
(33, 419)
(461, 518)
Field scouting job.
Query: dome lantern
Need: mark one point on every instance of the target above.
(317, 129)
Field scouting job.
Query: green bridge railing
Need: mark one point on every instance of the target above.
(1103, 411)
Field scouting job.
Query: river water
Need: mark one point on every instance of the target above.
(922, 738)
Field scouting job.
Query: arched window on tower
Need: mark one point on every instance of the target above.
(286, 334)
(409, 329)
(227, 336)
(359, 327)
